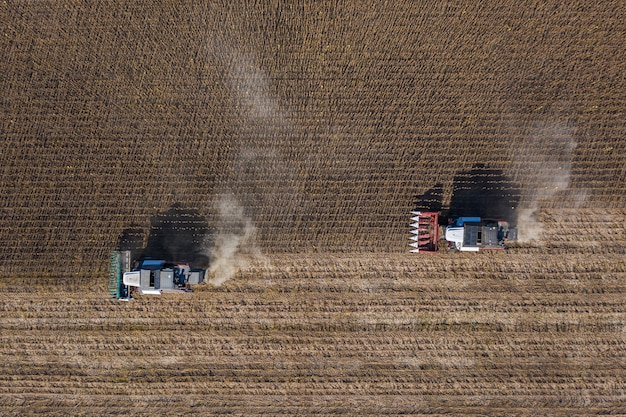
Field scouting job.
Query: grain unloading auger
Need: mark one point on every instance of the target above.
(470, 234)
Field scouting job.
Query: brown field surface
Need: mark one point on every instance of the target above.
(290, 141)
(499, 333)
(325, 120)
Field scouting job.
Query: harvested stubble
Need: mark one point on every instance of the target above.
(521, 333)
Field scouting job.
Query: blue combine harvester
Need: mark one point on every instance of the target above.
(150, 276)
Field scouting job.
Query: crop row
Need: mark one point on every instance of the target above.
(418, 334)
(451, 366)
(326, 128)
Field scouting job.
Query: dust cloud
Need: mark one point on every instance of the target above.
(529, 226)
(234, 241)
(259, 181)
(548, 153)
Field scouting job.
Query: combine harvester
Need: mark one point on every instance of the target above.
(470, 234)
(150, 276)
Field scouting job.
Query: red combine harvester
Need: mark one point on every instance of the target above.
(425, 231)
(468, 234)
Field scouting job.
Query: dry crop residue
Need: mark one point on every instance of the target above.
(517, 332)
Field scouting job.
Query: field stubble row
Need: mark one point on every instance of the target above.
(460, 332)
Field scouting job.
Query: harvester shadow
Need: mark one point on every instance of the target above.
(178, 234)
(132, 239)
(481, 191)
(431, 200)
(484, 192)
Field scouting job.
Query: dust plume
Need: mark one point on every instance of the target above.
(234, 240)
(548, 153)
(528, 225)
(262, 172)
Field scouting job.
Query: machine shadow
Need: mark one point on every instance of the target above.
(178, 235)
(486, 193)
(132, 239)
(483, 192)
(431, 200)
